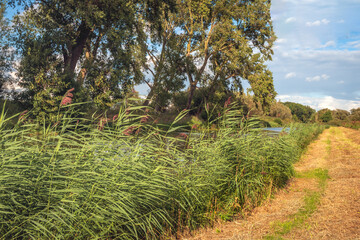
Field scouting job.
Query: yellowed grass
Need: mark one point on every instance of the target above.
(337, 217)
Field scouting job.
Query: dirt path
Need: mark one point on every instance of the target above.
(321, 202)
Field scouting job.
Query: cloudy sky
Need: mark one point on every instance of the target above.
(317, 54)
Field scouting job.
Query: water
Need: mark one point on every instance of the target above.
(277, 129)
(273, 131)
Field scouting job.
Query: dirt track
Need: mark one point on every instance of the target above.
(337, 212)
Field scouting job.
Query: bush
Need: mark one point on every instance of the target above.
(278, 121)
(326, 117)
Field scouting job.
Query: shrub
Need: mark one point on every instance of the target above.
(278, 121)
(326, 117)
(279, 110)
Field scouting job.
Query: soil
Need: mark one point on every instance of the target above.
(336, 217)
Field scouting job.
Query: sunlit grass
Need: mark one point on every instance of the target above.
(311, 202)
(127, 178)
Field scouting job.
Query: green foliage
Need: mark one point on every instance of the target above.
(355, 114)
(302, 113)
(221, 37)
(250, 107)
(212, 44)
(263, 88)
(279, 110)
(5, 52)
(55, 38)
(351, 124)
(278, 121)
(326, 117)
(126, 178)
(341, 117)
(339, 114)
(214, 101)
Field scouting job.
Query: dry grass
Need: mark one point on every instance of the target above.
(337, 216)
(258, 222)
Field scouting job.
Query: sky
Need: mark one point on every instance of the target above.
(316, 58)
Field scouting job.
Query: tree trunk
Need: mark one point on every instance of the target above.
(149, 96)
(191, 94)
(71, 59)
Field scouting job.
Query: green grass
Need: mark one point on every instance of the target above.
(131, 179)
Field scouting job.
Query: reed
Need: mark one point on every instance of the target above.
(127, 178)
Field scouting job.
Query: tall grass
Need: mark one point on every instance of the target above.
(131, 179)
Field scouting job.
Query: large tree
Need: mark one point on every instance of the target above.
(225, 41)
(92, 42)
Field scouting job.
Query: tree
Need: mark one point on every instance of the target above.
(340, 114)
(93, 41)
(225, 41)
(5, 53)
(355, 114)
(301, 112)
(164, 78)
(279, 110)
(326, 117)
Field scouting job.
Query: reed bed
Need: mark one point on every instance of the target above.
(127, 178)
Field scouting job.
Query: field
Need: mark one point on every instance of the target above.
(129, 178)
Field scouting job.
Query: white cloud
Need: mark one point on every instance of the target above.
(325, 77)
(290, 20)
(313, 79)
(321, 102)
(354, 44)
(318, 22)
(328, 55)
(281, 40)
(317, 78)
(290, 75)
(341, 82)
(325, 21)
(329, 44)
(297, 2)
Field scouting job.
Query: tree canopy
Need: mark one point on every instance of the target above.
(103, 48)
(301, 112)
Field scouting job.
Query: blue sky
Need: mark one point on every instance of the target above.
(316, 58)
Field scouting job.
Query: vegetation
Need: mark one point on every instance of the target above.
(167, 45)
(129, 178)
(73, 166)
(340, 117)
(280, 110)
(311, 202)
(300, 112)
(5, 53)
(326, 117)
